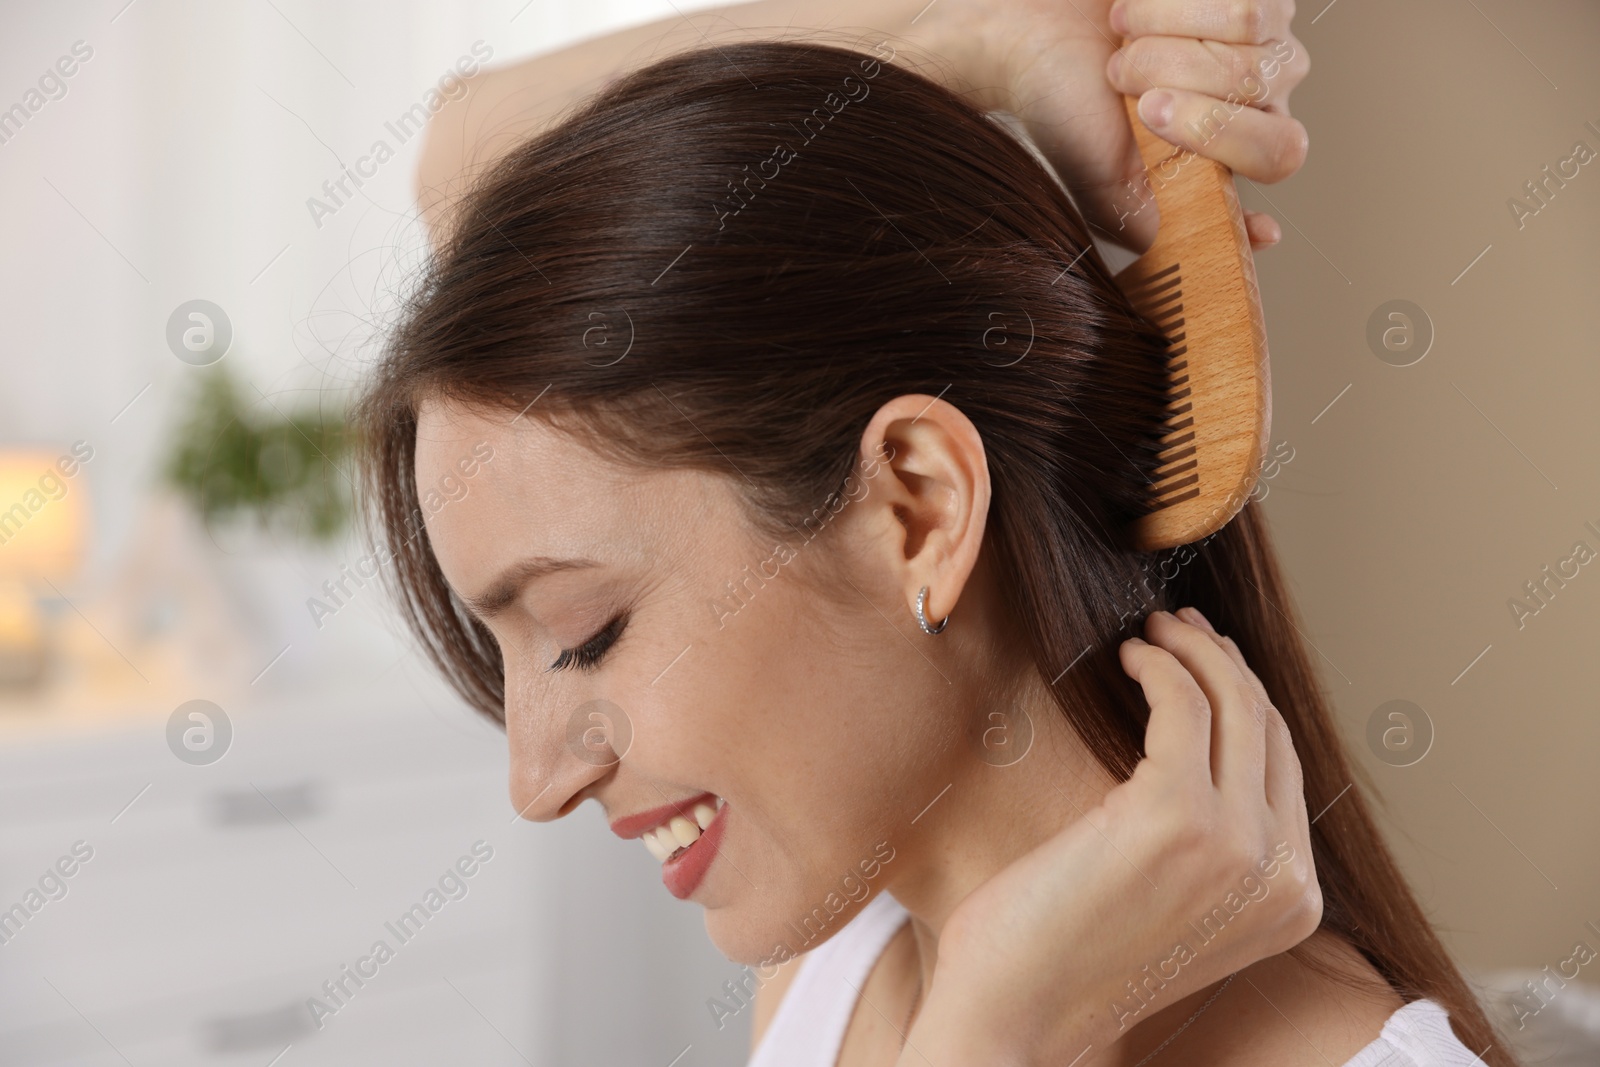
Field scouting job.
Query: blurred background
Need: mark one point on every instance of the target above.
(222, 772)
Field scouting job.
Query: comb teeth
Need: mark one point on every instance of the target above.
(1159, 298)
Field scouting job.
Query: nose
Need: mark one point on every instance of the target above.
(557, 759)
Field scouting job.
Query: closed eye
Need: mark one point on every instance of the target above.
(587, 656)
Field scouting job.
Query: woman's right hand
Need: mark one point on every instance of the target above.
(1226, 70)
(1197, 866)
(1052, 63)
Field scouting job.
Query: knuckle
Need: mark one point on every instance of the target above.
(1297, 780)
(1197, 842)
(1193, 639)
(1249, 19)
(1307, 890)
(1143, 55)
(1195, 702)
(1197, 833)
(1282, 149)
(1156, 657)
(1288, 151)
(1300, 63)
(1251, 700)
(1283, 727)
(1236, 64)
(1308, 915)
(1237, 855)
(1285, 735)
(1240, 71)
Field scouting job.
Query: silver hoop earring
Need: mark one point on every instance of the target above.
(922, 617)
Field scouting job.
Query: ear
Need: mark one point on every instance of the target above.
(925, 464)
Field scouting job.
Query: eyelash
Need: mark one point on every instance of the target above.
(587, 656)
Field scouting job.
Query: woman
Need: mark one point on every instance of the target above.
(805, 428)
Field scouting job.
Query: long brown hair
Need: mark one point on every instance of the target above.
(729, 259)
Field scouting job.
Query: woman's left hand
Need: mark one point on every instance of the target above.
(1035, 963)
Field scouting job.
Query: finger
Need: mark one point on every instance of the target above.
(1258, 144)
(1229, 648)
(1283, 777)
(1260, 75)
(1179, 731)
(1238, 748)
(1231, 21)
(1263, 230)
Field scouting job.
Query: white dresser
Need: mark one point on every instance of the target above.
(223, 897)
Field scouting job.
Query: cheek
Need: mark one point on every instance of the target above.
(807, 727)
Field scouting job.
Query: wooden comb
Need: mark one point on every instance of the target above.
(1197, 283)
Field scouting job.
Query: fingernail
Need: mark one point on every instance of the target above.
(1119, 18)
(1135, 641)
(1201, 620)
(1155, 107)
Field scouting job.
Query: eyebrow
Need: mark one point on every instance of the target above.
(505, 588)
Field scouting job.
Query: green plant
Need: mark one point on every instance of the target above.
(229, 455)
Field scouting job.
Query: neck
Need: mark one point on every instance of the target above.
(993, 815)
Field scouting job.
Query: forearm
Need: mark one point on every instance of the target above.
(503, 107)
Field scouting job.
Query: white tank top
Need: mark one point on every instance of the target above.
(808, 1028)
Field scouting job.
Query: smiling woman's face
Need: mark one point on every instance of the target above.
(742, 670)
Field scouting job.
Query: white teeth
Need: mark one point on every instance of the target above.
(680, 831)
(686, 832)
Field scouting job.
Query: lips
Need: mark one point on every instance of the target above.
(631, 826)
(683, 836)
(683, 873)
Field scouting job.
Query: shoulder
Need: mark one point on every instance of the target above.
(1287, 1011)
(1419, 1034)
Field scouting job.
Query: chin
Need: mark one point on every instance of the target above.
(748, 940)
(759, 932)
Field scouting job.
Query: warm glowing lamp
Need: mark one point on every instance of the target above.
(43, 518)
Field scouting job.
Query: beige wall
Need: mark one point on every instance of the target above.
(1423, 500)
